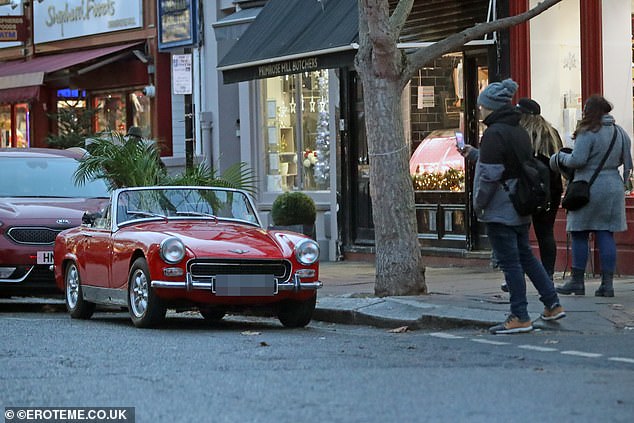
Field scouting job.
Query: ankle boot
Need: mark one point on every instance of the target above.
(606, 289)
(575, 285)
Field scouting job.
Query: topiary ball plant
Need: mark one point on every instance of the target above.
(293, 208)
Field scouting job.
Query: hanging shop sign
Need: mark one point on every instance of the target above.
(9, 10)
(54, 20)
(182, 73)
(13, 28)
(177, 23)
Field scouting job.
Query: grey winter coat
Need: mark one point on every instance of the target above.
(606, 209)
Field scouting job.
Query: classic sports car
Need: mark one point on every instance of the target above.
(185, 248)
(39, 199)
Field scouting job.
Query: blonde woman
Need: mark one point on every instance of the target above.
(546, 142)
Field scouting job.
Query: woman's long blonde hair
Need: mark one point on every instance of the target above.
(546, 140)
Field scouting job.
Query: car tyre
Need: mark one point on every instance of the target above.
(212, 314)
(75, 303)
(297, 314)
(145, 307)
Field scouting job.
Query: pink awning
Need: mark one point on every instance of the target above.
(436, 153)
(19, 79)
(17, 95)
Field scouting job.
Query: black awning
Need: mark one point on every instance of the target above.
(291, 36)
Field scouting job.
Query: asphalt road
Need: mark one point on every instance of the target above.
(248, 369)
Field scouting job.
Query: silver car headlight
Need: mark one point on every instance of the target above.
(307, 252)
(172, 250)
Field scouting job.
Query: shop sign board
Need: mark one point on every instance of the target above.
(54, 20)
(177, 23)
(182, 73)
(9, 11)
(13, 28)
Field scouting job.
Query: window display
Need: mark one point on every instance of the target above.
(20, 113)
(111, 112)
(296, 131)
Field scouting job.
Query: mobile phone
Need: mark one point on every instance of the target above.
(460, 140)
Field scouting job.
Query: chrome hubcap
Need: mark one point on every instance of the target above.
(72, 286)
(139, 293)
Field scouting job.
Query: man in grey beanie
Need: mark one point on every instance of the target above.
(504, 145)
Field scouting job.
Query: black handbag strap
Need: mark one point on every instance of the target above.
(605, 157)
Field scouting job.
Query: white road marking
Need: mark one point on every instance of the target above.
(537, 348)
(582, 354)
(445, 335)
(533, 347)
(488, 341)
(622, 359)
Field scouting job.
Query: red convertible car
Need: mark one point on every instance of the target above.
(185, 248)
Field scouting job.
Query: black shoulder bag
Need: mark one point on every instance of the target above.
(578, 192)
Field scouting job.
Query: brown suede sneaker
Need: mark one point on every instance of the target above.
(554, 312)
(512, 324)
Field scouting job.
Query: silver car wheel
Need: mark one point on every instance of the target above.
(72, 286)
(139, 293)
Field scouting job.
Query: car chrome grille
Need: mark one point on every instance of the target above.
(31, 235)
(281, 269)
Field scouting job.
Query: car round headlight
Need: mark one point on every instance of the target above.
(172, 250)
(307, 251)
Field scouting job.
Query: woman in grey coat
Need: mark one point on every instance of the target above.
(605, 213)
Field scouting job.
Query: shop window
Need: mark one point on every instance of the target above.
(20, 114)
(5, 122)
(22, 129)
(436, 116)
(111, 112)
(141, 117)
(118, 111)
(296, 135)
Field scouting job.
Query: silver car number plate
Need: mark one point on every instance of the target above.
(44, 257)
(245, 285)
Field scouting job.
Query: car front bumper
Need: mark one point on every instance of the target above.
(295, 284)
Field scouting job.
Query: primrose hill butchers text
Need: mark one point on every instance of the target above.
(289, 66)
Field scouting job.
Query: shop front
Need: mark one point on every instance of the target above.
(289, 61)
(97, 69)
(310, 131)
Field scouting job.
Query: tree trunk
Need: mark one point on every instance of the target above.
(399, 263)
(384, 71)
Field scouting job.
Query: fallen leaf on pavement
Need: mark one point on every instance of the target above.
(402, 329)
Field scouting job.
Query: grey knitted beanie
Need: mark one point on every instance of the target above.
(497, 94)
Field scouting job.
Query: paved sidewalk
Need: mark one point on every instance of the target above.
(462, 297)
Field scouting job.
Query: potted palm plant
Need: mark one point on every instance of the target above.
(128, 161)
(294, 211)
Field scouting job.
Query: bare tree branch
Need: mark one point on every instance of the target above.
(399, 17)
(423, 55)
(381, 36)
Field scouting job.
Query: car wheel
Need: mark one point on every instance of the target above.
(146, 309)
(212, 314)
(297, 314)
(75, 303)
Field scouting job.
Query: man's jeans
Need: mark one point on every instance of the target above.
(513, 252)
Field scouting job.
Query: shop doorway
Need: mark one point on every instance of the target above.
(439, 104)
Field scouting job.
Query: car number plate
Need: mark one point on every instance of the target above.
(245, 285)
(44, 257)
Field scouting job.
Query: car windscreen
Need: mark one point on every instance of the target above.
(184, 203)
(45, 177)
